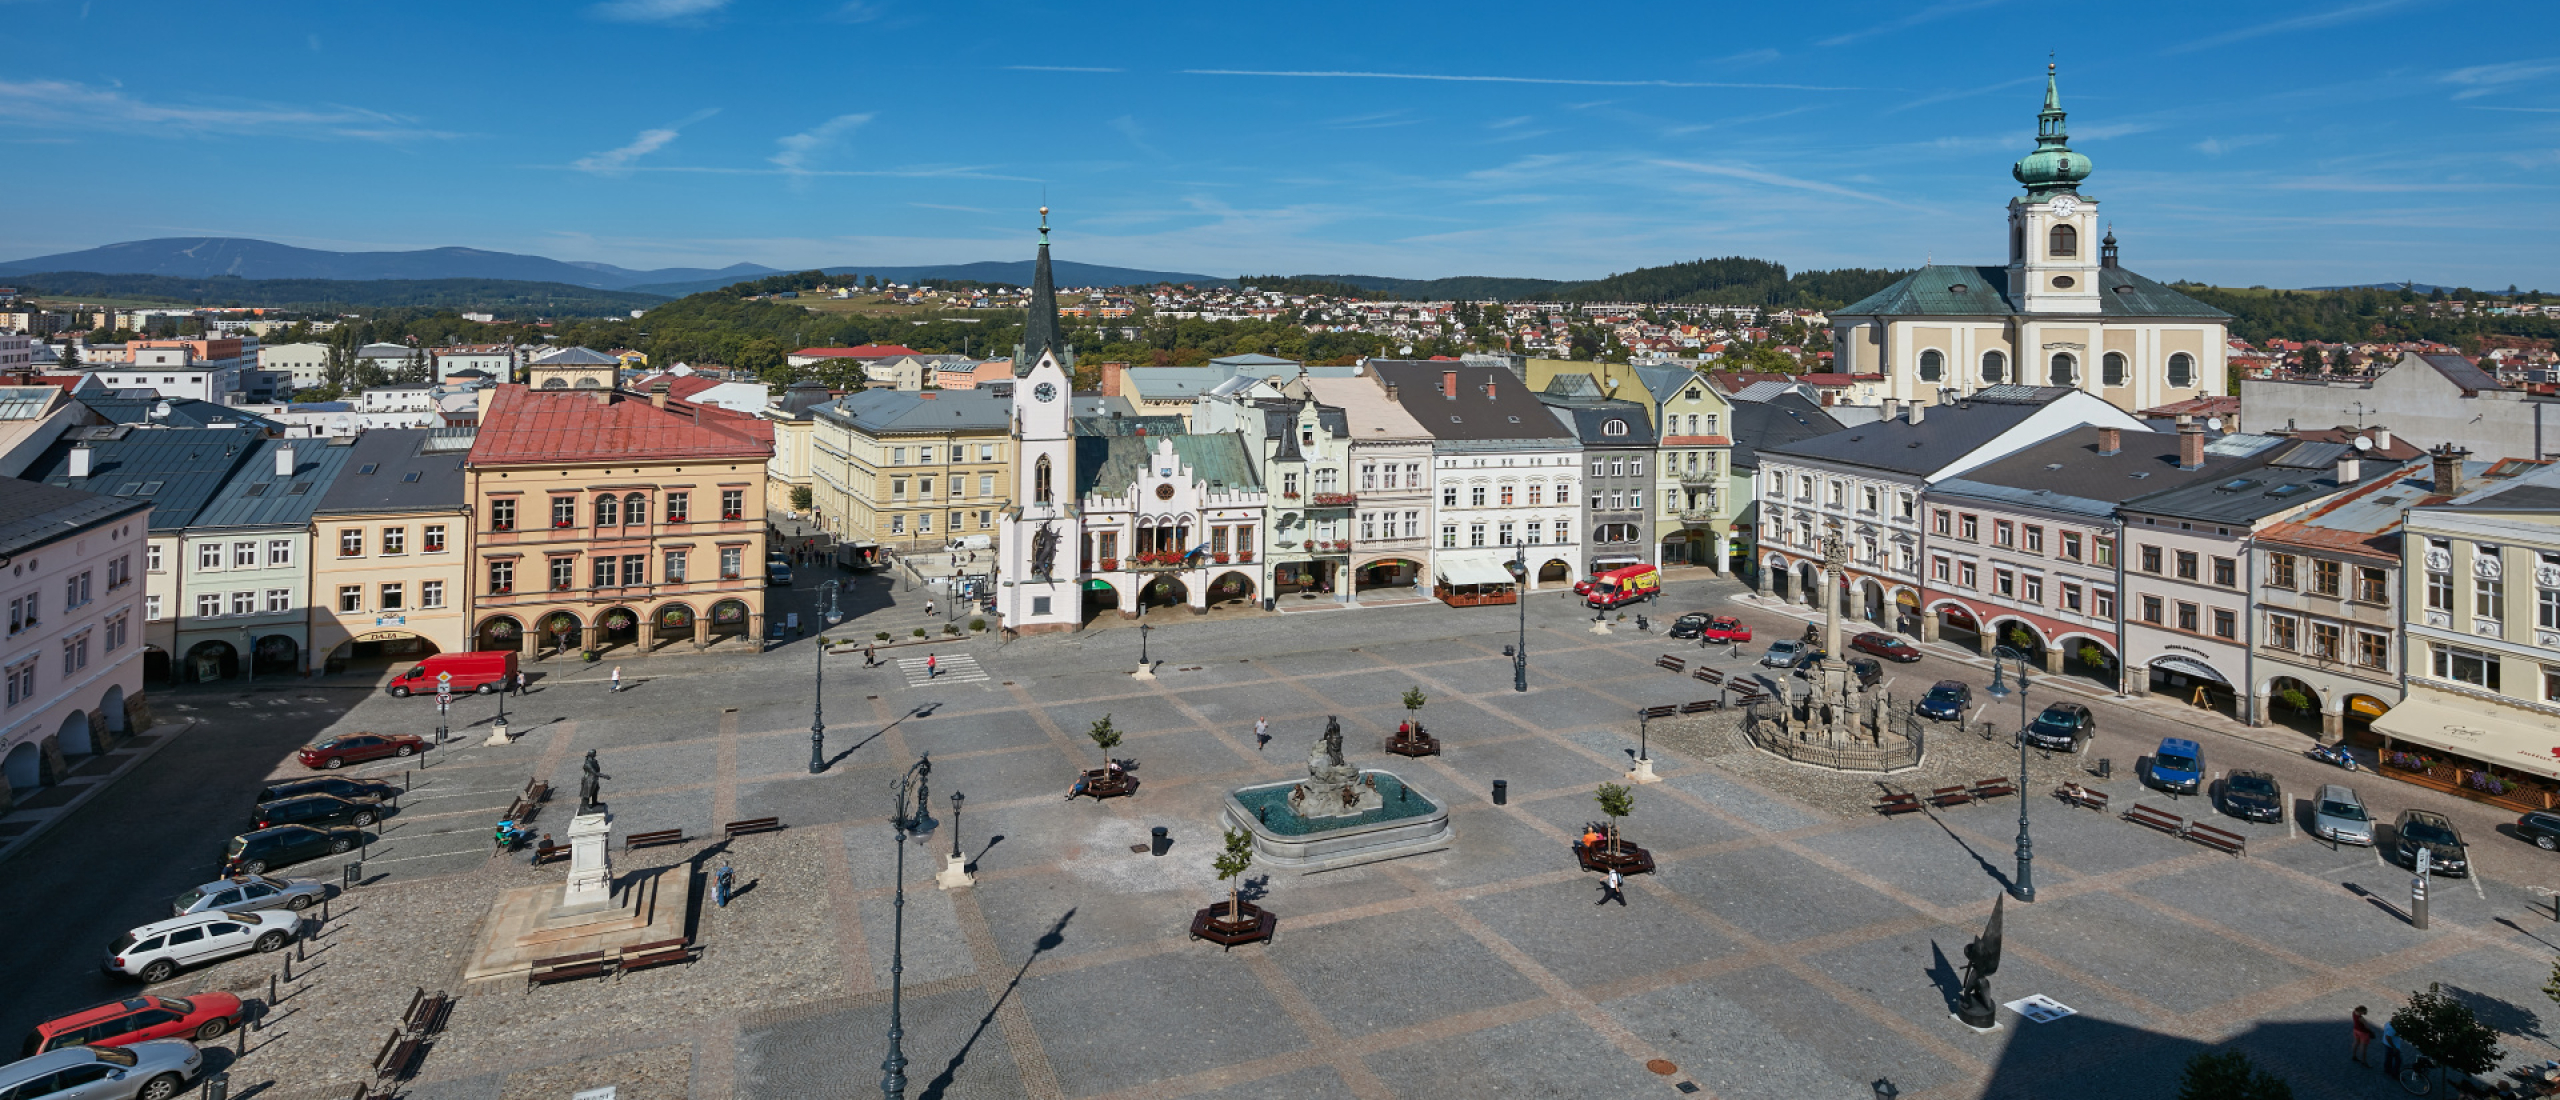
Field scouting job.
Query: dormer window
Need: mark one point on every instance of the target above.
(1614, 427)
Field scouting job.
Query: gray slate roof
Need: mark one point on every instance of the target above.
(1174, 383)
(885, 412)
(1110, 464)
(255, 497)
(184, 412)
(1946, 433)
(1166, 424)
(1591, 420)
(577, 357)
(1947, 290)
(1512, 413)
(2066, 473)
(1779, 421)
(1666, 383)
(394, 470)
(176, 470)
(2271, 480)
(33, 515)
(2463, 373)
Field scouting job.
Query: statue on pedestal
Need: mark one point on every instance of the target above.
(591, 786)
(1333, 787)
(1981, 960)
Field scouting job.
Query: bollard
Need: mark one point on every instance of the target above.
(1160, 839)
(324, 910)
(299, 955)
(271, 989)
(1501, 792)
(288, 968)
(354, 872)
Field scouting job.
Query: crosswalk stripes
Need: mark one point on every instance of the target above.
(957, 668)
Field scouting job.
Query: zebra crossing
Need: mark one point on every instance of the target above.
(954, 668)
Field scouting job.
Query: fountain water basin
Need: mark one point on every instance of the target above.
(1403, 820)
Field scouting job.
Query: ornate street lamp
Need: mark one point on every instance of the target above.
(893, 1079)
(818, 715)
(1519, 568)
(2000, 658)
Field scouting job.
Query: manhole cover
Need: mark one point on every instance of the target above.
(1140, 849)
(1687, 1086)
(1662, 1067)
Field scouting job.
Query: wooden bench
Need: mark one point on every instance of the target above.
(1668, 661)
(1650, 713)
(2222, 839)
(399, 1057)
(426, 1013)
(521, 811)
(545, 851)
(1944, 797)
(1986, 789)
(1904, 803)
(2082, 796)
(642, 956)
(652, 840)
(1702, 706)
(752, 825)
(536, 790)
(1709, 675)
(2162, 820)
(561, 968)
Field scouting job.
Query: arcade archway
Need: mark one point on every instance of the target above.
(1231, 587)
(209, 661)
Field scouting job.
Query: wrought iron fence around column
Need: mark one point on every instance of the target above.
(1901, 751)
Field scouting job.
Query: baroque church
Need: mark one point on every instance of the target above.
(2062, 312)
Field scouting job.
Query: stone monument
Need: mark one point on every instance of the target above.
(1334, 787)
(1974, 1007)
(590, 856)
(586, 913)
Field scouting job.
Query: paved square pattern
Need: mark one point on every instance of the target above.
(1787, 948)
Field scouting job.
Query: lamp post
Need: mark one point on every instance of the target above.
(955, 823)
(2000, 659)
(1519, 568)
(818, 715)
(831, 588)
(893, 1079)
(1142, 646)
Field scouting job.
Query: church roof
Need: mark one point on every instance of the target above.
(1948, 290)
(1040, 320)
(1112, 463)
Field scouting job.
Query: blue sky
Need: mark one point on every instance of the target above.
(2290, 144)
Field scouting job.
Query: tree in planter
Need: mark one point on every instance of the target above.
(1107, 737)
(1616, 800)
(2092, 656)
(2229, 1075)
(2294, 700)
(1413, 701)
(1232, 865)
(2447, 1032)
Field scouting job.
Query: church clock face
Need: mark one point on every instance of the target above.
(2065, 206)
(1045, 392)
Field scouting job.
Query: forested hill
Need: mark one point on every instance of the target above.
(2340, 316)
(505, 297)
(1731, 280)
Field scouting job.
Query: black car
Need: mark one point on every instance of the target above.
(2063, 727)
(2543, 829)
(1886, 646)
(2252, 796)
(328, 784)
(1689, 626)
(2419, 829)
(318, 809)
(254, 853)
(1947, 701)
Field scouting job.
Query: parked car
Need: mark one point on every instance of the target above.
(155, 951)
(2252, 795)
(251, 892)
(483, 671)
(2340, 816)
(2178, 765)
(2417, 829)
(2062, 727)
(1689, 626)
(203, 1018)
(2543, 829)
(1886, 646)
(1947, 701)
(1869, 673)
(1726, 628)
(317, 809)
(252, 853)
(155, 1069)
(777, 576)
(355, 748)
(1784, 654)
(338, 785)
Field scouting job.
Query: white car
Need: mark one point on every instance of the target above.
(154, 1069)
(155, 951)
(252, 892)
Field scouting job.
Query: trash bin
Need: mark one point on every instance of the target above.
(1162, 840)
(1501, 792)
(2106, 767)
(1270, 603)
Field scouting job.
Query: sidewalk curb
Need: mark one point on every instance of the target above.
(19, 843)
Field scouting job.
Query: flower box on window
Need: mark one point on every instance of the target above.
(1336, 500)
(1244, 555)
(1221, 557)
(1109, 564)
(733, 515)
(561, 524)
(501, 589)
(1288, 496)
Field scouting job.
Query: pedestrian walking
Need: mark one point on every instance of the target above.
(2390, 1052)
(724, 883)
(928, 607)
(2363, 1036)
(870, 657)
(1261, 733)
(523, 682)
(1613, 888)
(617, 678)
(932, 666)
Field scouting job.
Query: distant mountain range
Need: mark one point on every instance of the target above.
(1013, 272)
(208, 257)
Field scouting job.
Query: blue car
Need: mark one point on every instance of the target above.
(2178, 766)
(1947, 701)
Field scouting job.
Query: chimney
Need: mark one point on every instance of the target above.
(658, 391)
(1449, 384)
(2381, 440)
(79, 460)
(1919, 412)
(604, 397)
(2350, 468)
(2190, 443)
(2448, 461)
(2110, 441)
(284, 460)
(1391, 391)
(1114, 375)
(1488, 389)
(1893, 408)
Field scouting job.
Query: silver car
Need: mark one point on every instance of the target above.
(1783, 654)
(248, 892)
(2340, 816)
(154, 1069)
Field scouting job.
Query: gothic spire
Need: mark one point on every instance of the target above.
(1040, 324)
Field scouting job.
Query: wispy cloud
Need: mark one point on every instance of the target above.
(798, 148)
(1474, 79)
(1376, 121)
(2311, 21)
(2216, 146)
(1760, 56)
(854, 11)
(615, 161)
(1960, 93)
(2480, 80)
(62, 103)
(1062, 69)
(655, 11)
(2526, 110)
(1930, 14)
(1773, 179)
(1136, 134)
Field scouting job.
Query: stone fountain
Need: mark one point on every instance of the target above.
(1340, 815)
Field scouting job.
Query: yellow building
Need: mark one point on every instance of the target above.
(391, 542)
(605, 519)
(912, 470)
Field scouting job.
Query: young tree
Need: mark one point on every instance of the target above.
(1232, 865)
(2229, 1075)
(1107, 737)
(1616, 800)
(2447, 1032)
(1413, 701)
(802, 498)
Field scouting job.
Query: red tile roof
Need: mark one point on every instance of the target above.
(526, 426)
(865, 351)
(2210, 405)
(678, 385)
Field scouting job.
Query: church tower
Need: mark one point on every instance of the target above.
(2053, 243)
(1043, 538)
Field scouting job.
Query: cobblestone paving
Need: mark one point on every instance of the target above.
(1792, 945)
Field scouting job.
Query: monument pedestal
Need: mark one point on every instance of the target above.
(955, 873)
(1643, 772)
(586, 914)
(1145, 672)
(590, 864)
(498, 735)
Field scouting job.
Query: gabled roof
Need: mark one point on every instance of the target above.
(1776, 422)
(1945, 434)
(175, 470)
(884, 412)
(577, 357)
(255, 496)
(399, 469)
(1946, 290)
(34, 515)
(1511, 412)
(1172, 383)
(525, 425)
(1111, 464)
(684, 385)
(1593, 420)
(184, 412)
(1664, 383)
(2463, 373)
(2066, 472)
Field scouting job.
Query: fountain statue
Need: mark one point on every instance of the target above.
(1339, 815)
(1334, 787)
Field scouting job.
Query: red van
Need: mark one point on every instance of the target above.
(482, 672)
(1623, 586)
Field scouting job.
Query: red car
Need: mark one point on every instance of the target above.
(1726, 628)
(203, 1017)
(338, 752)
(1886, 646)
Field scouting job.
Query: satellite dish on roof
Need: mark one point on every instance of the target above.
(160, 411)
(2364, 443)
(2213, 423)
